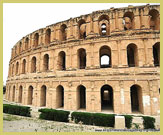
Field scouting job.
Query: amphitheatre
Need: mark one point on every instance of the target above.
(60, 66)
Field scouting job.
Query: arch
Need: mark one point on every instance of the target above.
(136, 98)
(30, 95)
(81, 97)
(48, 36)
(20, 47)
(24, 66)
(46, 62)
(13, 69)
(17, 68)
(59, 96)
(62, 60)
(105, 57)
(43, 95)
(26, 43)
(156, 54)
(132, 55)
(82, 29)
(104, 25)
(154, 22)
(20, 94)
(36, 39)
(107, 97)
(13, 94)
(33, 65)
(82, 58)
(63, 32)
(128, 20)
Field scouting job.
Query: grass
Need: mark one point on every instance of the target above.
(10, 118)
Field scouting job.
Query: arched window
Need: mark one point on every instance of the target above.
(132, 55)
(156, 54)
(60, 96)
(82, 60)
(20, 47)
(81, 97)
(63, 32)
(36, 39)
(154, 19)
(30, 95)
(48, 36)
(13, 94)
(82, 29)
(17, 68)
(26, 43)
(13, 69)
(104, 26)
(62, 61)
(24, 67)
(43, 96)
(136, 98)
(128, 20)
(106, 97)
(46, 62)
(105, 57)
(33, 65)
(20, 94)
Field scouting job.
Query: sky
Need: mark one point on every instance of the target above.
(20, 19)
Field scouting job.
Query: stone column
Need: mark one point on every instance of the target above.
(91, 27)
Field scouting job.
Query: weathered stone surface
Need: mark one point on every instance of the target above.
(60, 66)
(119, 122)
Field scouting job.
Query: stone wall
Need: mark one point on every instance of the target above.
(60, 66)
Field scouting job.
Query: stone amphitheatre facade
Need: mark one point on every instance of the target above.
(61, 66)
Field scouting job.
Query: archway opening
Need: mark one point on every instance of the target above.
(36, 39)
(24, 66)
(30, 95)
(33, 65)
(81, 97)
(106, 97)
(128, 20)
(105, 57)
(46, 62)
(154, 19)
(20, 94)
(26, 43)
(136, 98)
(60, 96)
(13, 94)
(63, 32)
(17, 68)
(48, 36)
(132, 55)
(104, 26)
(82, 29)
(156, 54)
(82, 58)
(43, 96)
(62, 61)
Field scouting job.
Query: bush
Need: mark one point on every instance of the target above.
(85, 118)
(55, 115)
(17, 110)
(148, 122)
(97, 119)
(106, 120)
(128, 121)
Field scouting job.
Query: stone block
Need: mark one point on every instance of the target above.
(119, 122)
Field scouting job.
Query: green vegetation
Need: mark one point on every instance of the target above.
(55, 115)
(17, 110)
(148, 122)
(98, 119)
